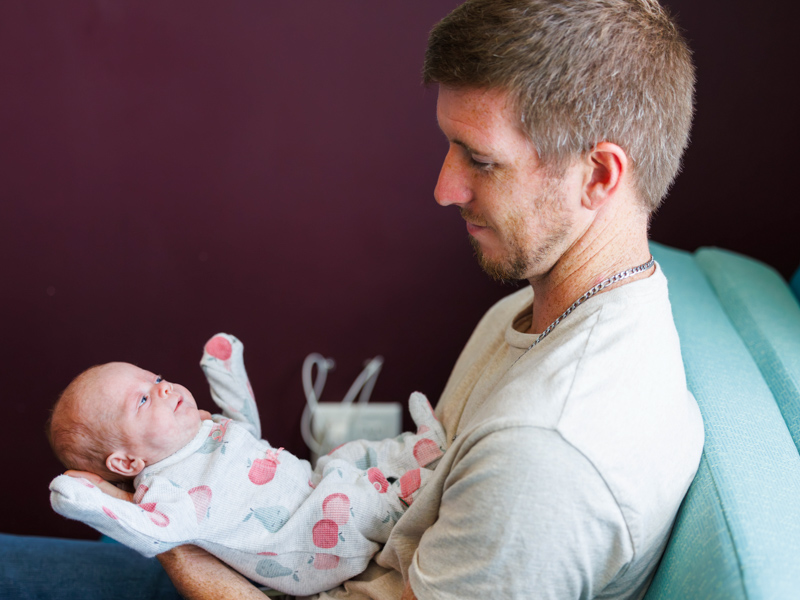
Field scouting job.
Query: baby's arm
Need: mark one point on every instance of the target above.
(162, 516)
(396, 456)
(223, 365)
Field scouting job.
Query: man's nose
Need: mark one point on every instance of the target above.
(453, 184)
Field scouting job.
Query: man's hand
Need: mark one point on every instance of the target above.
(408, 593)
(105, 486)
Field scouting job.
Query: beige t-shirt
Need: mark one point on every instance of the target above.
(568, 465)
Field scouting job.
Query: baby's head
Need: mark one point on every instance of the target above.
(115, 419)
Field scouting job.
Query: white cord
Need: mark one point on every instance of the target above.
(313, 392)
(364, 383)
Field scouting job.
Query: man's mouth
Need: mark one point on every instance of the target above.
(474, 223)
(472, 229)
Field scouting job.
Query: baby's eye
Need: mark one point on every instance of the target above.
(159, 379)
(142, 401)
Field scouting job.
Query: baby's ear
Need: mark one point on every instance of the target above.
(122, 464)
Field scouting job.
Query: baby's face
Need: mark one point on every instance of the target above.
(157, 418)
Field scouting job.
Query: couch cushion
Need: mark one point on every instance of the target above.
(737, 534)
(767, 317)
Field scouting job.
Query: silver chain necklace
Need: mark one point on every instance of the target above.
(602, 285)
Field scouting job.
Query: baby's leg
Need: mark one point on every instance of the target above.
(395, 457)
(334, 533)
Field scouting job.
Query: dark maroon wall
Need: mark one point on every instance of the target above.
(169, 170)
(737, 187)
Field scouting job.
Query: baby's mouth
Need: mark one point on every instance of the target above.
(178, 405)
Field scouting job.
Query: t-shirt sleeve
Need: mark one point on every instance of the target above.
(523, 515)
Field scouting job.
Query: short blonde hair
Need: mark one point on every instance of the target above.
(77, 442)
(578, 72)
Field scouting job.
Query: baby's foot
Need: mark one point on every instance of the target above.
(432, 442)
(425, 419)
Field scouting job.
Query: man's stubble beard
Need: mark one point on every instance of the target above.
(521, 263)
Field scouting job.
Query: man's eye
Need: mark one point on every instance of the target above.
(480, 163)
(143, 400)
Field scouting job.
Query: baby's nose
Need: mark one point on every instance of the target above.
(165, 388)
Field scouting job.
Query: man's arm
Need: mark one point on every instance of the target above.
(197, 575)
(523, 514)
(408, 593)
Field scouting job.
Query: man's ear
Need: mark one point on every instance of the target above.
(122, 464)
(607, 165)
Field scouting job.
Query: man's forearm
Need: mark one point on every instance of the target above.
(199, 576)
(408, 593)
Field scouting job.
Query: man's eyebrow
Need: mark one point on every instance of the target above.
(469, 148)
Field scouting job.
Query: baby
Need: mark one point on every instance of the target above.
(210, 481)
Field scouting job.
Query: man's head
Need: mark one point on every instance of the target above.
(115, 419)
(520, 216)
(577, 73)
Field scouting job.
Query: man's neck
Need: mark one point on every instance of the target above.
(606, 248)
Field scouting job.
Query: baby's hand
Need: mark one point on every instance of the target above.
(103, 485)
(223, 364)
(88, 498)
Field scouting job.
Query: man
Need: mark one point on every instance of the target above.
(572, 436)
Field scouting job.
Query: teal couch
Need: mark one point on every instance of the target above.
(737, 534)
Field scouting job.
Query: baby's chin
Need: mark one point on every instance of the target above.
(180, 441)
(204, 415)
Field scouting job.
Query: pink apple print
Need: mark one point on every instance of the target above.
(324, 562)
(336, 507)
(263, 469)
(409, 483)
(156, 516)
(201, 497)
(218, 430)
(219, 347)
(109, 513)
(325, 533)
(140, 492)
(377, 479)
(426, 451)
